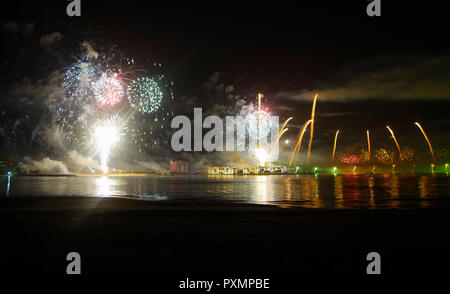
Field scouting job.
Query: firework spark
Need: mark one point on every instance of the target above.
(428, 141)
(106, 134)
(407, 154)
(313, 113)
(334, 146)
(351, 159)
(261, 154)
(395, 140)
(368, 146)
(72, 114)
(259, 124)
(108, 90)
(299, 142)
(277, 141)
(78, 77)
(282, 130)
(384, 157)
(259, 119)
(145, 94)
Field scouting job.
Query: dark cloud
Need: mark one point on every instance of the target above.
(388, 77)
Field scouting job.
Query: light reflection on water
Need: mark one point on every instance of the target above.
(320, 191)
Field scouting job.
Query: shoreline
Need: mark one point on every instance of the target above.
(363, 173)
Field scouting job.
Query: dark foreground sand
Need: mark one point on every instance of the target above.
(137, 237)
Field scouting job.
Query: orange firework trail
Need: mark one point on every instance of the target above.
(282, 130)
(395, 140)
(285, 122)
(428, 141)
(313, 113)
(299, 142)
(280, 133)
(368, 146)
(277, 140)
(334, 146)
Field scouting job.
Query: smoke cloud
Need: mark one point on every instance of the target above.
(387, 77)
(45, 165)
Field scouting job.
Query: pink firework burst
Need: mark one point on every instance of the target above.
(108, 90)
(350, 159)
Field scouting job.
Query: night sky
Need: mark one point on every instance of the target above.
(368, 71)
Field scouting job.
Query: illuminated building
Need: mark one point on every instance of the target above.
(179, 166)
(222, 170)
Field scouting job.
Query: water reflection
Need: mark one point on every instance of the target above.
(339, 190)
(371, 185)
(393, 185)
(8, 184)
(104, 186)
(263, 190)
(423, 181)
(312, 191)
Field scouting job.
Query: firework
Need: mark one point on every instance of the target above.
(282, 131)
(108, 90)
(106, 134)
(296, 149)
(261, 154)
(428, 141)
(334, 146)
(364, 156)
(74, 108)
(285, 122)
(148, 131)
(368, 146)
(145, 94)
(395, 140)
(78, 77)
(280, 134)
(352, 159)
(313, 113)
(384, 157)
(407, 154)
(277, 141)
(261, 119)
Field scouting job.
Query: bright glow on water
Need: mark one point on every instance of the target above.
(319, 191)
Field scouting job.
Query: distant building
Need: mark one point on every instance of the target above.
(250, 170)
(222, 170)
(277, 169)
(179, 166)
(257, 170)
